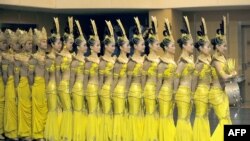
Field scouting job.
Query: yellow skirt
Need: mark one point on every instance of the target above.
(106, 121)
(201, 128)
(183, 129)
(79, 118)
(166, 108)
(92, 103)
(1, 105)
(66, 123)
(39, 108)
(135, 119)
(150, 123)
(10, 110)
(24, 108)
(52, 125)
(220, 103)
(120, 118)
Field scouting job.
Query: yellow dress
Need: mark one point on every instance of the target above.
(92, 125)
(220, 103)
(150, 128)
(166, 104)
(24, 108)
(106, 122)
(120, 117)
(1, 105)
(10, 109)
(201, 127)
(39, 108)
(135, 119)
(65, 132)
(52, 125)
(79, 117)
(184, 105)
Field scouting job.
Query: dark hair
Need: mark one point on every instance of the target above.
(216, 41)
(199, 44)
(107, 41)
(165, 42)
(78, 41)
(182, 41)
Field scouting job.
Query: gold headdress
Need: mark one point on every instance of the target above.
(186, 32)
(95, 34)
(81, 37)
(221, 32)
(25, 36)
(39, 35)
(138, 32)
(154, 30)
(202, 34)
(111, 32)
(11, 36)
(2, 36)
(57, 34)
(70, 34)
(168, 31)
(123, 37)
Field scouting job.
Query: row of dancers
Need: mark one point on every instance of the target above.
(54, 94)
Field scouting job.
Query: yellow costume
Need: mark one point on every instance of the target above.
(52, 125)
(150, 128)
(92, 102)
(120, 119)
(105, 99)
(63, 91)
(166, 104)
(39, 107)
(10, 110)
(39, 99)
(217, 96)
(1, 104)
(183, 100)
(135, 120)
(24, 108)
(201, 126)
(79, 117)
(220, 103)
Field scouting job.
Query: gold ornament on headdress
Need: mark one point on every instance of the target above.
(11, 36)
(138, 26)
(221, 32)
(123, 37)
(25, 36)
(187, 35)
(70, 34)
(168, 35)
(2, 37)
(95, 36)
(57, 34)
(203, 31)
(81, 37)
(154, 33)
(39, 35)
(111, 31)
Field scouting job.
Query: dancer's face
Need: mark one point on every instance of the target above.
(189, 46)
(171, 48)
(140, 46)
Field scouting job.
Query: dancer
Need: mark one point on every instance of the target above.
(166, 71)
(182, 84)
(91, 85)
(222, 71)
(52, 125)
(134, 81)
(201, 85)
